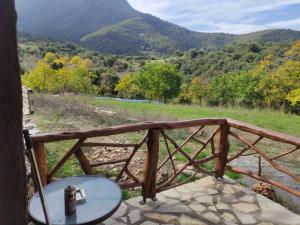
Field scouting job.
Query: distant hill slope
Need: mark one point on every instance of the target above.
(115, 27)
(271, 35)
(69, 20)
(148, 33)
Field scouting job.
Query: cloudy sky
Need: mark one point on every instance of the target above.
(229, 16)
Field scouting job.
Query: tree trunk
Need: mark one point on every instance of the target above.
(12, 166)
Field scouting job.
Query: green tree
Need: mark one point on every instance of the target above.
(222, 90)
(159, 80)
(198, 89)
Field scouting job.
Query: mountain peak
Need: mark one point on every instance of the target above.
(113, 26)
(70, 19)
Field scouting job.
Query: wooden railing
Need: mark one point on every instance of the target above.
(251, 148)
(210, 135)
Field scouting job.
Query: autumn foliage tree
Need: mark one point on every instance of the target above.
(127, 86)
(58, 74)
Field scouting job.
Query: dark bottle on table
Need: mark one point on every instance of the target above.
(70, 200)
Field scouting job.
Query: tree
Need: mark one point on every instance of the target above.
(12, 165)
(127, 86)
(222, 90)
(49, 57)
(159, 80)
(276, 85)
(110, 61)
(61, 74)
(198, 88)
(185, 95)
(294, 99)
(108, 82)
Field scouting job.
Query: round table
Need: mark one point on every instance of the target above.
(103, 198)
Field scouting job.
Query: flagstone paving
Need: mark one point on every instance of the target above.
(204, 202)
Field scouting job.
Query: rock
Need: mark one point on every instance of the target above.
(187, 220)
(134, 216)
(245, 218)
(222, 206)
(111, 221)
(228, 217)
(160, 216)
(210, 216)
(163, 176)
(121, 211)
(197, 207)
(206, 199)
(247, 198)
(245, 207)
(173, 206)
(149, 223)
(275, 213)
(212, 208)
(211, 191)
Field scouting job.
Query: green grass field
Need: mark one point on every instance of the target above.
(274, 120)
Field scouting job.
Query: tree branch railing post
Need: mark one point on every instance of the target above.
(222, 151)
(150, 166)
(42, 161)
(84, 162)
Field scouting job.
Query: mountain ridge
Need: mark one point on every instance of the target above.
(115, 27)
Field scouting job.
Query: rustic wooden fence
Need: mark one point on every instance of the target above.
(217, 141)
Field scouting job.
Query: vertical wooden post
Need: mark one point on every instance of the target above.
(150, 166)
(259, 166)
(12, 159)
(223, 148)
(42, 162)
(84, 162)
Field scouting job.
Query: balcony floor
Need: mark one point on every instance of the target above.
(204, 202)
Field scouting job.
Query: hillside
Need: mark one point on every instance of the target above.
(148, 33)
(69, 20)
(271, 35)
(115, 27)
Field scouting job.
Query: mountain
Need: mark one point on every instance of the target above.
(148, 33)
(271, 35)
(115, 27)
(69, 20)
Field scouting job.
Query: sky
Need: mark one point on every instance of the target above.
(228, 16)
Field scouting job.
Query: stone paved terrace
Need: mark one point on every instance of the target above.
(204, 202)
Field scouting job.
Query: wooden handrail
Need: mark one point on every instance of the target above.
(60, 136)
(273, 135)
